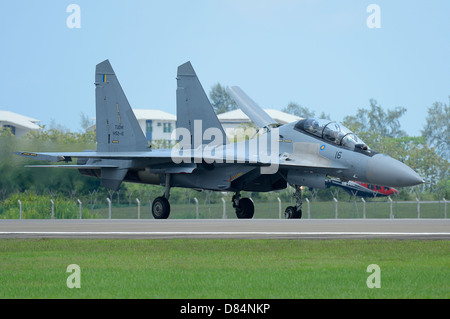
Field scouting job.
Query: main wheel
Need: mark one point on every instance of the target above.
(291, 212)
(245, 209)
(161, 208)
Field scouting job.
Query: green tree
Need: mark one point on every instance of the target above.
(6, 132)
(437, 129)
(373, 124)
(221, 101)
(381, 130)
(161, 144)
(85, 121)
(415, 153)
(15, 177)
(62, 137)
(302, 111)
(298, 110)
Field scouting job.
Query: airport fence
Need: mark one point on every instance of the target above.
(194, 209)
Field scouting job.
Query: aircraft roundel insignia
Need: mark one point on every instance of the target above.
(322, 147)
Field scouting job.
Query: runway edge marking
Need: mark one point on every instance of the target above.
(202, 233)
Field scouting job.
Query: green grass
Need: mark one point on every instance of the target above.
(192, 268)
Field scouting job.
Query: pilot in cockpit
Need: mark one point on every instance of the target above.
(330, 134)
(313, 126)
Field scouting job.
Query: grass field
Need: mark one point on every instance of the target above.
(192, 268)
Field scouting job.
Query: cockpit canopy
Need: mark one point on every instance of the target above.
(331, 132)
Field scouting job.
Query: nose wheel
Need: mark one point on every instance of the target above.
(243, 206)
(295, 212)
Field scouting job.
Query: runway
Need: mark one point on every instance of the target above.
(228, 228)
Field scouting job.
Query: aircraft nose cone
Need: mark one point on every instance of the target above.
(384, 170)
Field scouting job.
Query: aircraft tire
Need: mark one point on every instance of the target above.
(292, 213)
(246, 209)
(160, 208)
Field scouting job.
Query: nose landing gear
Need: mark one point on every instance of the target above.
(295, 212)
(243, 206)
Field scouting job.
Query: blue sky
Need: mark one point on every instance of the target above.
(320, 54)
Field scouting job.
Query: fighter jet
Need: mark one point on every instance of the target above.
(302, 153)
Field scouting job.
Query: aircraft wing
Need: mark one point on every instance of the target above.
(67, 156)
(304, 165)
(155, 156)
(251, 108)
(303, 155)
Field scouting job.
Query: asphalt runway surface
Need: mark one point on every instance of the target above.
(228, 228)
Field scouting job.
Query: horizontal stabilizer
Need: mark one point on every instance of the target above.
(74, 166)
(251, 108)
(44, 157)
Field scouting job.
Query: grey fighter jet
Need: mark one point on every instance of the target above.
(302, 153)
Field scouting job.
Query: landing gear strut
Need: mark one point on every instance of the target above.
(244, 206)
(295, 212)
(161, 206)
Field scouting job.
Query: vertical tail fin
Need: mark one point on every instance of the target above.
(193, 105)
(117, 127)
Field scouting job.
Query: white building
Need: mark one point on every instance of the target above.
(157, 125)
(233, 119)
(17, 123)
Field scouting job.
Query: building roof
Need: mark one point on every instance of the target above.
(238, 116)
(18, 120)
(148, 114)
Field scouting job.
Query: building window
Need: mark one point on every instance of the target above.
(167, 128)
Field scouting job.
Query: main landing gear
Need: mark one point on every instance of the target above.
(161, 206)
(295, 212)
(244, 206)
